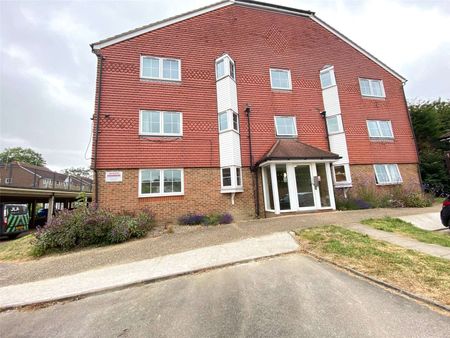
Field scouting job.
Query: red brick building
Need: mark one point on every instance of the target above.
(244, 107)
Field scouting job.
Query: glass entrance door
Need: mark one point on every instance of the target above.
(305, 192)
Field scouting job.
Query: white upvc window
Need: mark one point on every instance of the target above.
(327, 78)
(280, 79)
(225, 67)
(334, 124)
(160, 123)
(158, 68)
(380, 129)
(387, 174)
(341, 173)
(231, 177)
(286, 126)
(161, 182)
(228, 120)
(372, 88)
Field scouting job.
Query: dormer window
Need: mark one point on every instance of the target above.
(225, 67)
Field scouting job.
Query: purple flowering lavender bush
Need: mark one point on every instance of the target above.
(86, 226)
(201, 219)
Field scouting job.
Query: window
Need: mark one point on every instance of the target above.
(160, 68)
(380, 129)
(226, 177)
(8, 180)
(220, 69)
(231, 178)
(387, 174)
(285, 126)
(232, 70)
(228, 120)
(160, 182)
(327, 78)
(339, 173)
(334, 124)
(372, 88)
(158, 123)
(280, 79)
(223, 121)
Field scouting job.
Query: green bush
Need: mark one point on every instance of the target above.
(89, 226)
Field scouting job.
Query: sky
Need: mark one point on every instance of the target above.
(47, 70)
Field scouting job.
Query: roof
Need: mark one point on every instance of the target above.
(248, 3)
(285, 149)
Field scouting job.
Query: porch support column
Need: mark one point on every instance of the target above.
(330, 185)
(276, 199)
(51, 206)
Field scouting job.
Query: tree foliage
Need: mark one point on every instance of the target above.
(78, 172)
(25, 155)
(431, 119)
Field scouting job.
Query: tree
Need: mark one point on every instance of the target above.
(25, 155)
(431, 119)
(78, 172)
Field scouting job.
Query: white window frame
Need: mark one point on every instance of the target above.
(386, 168)
(161, 72)
(380, 130)
(230, 113)
(161, 123)
(161, 184)
(285, 135)
(371, 81)
(333, 78)
(227, 60)
(233, 173)
(339, 122)
(281, 70)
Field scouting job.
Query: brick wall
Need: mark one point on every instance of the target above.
(365, 175)
(201, 194)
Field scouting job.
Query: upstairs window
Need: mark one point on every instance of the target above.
(280, 79)
(327, 78)
(157, 68)
(285, 126)
(225, 67)
(387, 174)
(157, 123)
(380, 129)
(373, 88)
(160, 182)
(228, 120)
(334, 124)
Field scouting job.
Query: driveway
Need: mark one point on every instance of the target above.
(289, 296)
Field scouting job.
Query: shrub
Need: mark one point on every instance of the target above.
(87, 226)
(211, 219)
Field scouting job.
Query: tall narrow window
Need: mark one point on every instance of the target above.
(285, 126)
(327, 78)
(372, 88)
(226, 177)
(220, 69)
(235, 121)
(223, 121)
(280, 79)
(238, 177)
(232, 70)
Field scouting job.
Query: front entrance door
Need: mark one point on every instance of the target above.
(305, 191)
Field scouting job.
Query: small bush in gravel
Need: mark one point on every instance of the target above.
(226, 218)
(87, 226)
(211, 219)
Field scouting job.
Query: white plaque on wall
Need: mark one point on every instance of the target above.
(113, 176)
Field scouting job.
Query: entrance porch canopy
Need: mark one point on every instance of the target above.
(297, 177)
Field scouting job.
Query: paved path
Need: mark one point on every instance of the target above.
(289, 296)
(180, 241)
(430, 249)
(120, 276)
(429, 221)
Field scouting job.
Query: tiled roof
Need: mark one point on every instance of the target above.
(284, 149)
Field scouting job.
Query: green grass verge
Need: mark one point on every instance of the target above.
(401, 227)
(17, 249)
(411, 270)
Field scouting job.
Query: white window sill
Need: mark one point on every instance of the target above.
(231, 190)
(373, 97)
(281, 89)
(161, 195)
(390, 183)
(228, 130)
(225, 76)
(343, 185)
(330, 86)
(156, 79)
(381, 139)
(161, 135)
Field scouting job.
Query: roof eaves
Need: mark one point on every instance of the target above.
(357, 47)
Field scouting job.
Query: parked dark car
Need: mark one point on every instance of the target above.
(445, 212)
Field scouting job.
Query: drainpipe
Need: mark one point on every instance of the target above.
(414, 137)
(253, 169)
(97, 117)
(324, 116)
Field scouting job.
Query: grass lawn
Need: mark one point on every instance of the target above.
(411, 270)
(401, 227)
(17, 250)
